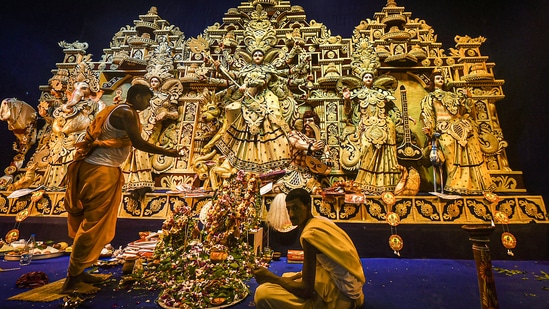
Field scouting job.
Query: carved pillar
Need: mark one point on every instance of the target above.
(478, 234)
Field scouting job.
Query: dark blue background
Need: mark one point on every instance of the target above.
(516, 35)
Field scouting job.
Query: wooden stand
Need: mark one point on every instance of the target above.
(479, 235)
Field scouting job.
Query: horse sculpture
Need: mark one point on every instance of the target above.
(21, 119)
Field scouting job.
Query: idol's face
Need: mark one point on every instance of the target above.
(368, 79)
(307, 122)
(439, 81)
(82, 88)
(155, 83)
(258, 57)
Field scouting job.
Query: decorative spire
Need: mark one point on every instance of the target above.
(83, 73)
(265, 2)
(259, 33)
(161, 62)
(365, 59)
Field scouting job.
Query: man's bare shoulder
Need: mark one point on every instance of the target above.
(122, 108)
(121, 116)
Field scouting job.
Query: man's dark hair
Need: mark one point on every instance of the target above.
(301, 194)
(137, 89)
